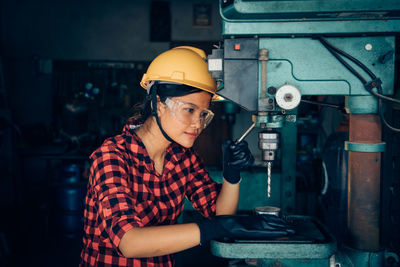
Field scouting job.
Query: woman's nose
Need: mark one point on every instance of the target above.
(197, 123)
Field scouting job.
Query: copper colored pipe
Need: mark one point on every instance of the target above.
(364, 184)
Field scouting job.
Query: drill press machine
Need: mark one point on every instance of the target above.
(275, 52)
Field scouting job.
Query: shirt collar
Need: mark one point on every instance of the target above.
(172, 156)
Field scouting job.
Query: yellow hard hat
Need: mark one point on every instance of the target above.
(184, 65)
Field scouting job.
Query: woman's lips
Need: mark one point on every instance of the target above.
(193, 135)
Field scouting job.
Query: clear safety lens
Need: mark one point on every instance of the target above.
(189, 113)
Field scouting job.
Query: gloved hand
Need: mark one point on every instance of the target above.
(248, 227)
(237, 157)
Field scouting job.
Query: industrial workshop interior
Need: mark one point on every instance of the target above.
(312, 86)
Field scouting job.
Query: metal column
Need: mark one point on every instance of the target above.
(364, 184)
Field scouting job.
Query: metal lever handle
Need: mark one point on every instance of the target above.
(245, 134)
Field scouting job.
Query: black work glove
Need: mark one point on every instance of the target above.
(247, 227)
(237, 157)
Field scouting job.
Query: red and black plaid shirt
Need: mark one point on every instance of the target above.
(125, 191)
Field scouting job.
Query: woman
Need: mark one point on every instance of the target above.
(139, 179)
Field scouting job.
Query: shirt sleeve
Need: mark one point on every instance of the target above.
(116, 208)
(202, 191)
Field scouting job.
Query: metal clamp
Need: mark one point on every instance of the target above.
(364, 147)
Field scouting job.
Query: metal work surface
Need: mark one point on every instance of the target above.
(311, 241)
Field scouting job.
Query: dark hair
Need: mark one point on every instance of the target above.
(164, 90)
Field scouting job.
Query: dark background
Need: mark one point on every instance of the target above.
(70, 73)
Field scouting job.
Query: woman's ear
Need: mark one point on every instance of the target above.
(160, 107)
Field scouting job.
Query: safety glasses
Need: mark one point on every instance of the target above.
(189, 113)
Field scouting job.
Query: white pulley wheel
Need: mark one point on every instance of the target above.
(287, 97)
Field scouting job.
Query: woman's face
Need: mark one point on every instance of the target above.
(182, 118)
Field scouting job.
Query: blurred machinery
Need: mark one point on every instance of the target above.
(92, 100)
(273, 54)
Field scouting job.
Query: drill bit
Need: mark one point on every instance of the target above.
(269, 179)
